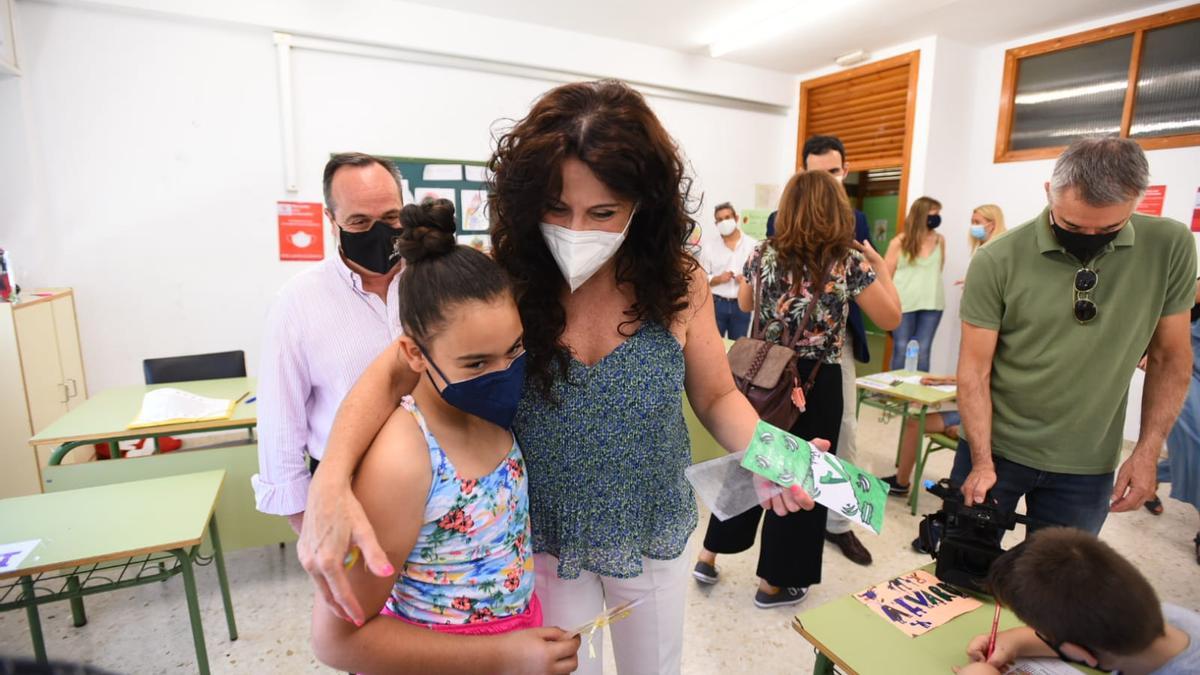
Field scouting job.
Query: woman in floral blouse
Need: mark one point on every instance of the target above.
(812, 258)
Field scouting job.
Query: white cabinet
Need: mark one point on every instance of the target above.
(8, 45)
(41, 377)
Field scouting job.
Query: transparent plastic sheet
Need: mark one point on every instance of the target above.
(777, 461)
(727, 488)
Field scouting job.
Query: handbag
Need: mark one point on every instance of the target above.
(765, 372)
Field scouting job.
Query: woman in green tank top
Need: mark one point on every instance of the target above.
(916, 258)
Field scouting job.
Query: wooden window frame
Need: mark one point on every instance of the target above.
(1137, 28)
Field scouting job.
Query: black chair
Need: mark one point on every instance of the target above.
(195, 367)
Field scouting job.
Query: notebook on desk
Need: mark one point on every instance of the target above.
(176, 406)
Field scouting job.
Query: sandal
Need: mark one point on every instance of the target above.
(1154, 506)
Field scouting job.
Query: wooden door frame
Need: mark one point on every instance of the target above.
(913, 61)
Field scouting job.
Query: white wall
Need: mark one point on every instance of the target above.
(142, 152)
(154, 164)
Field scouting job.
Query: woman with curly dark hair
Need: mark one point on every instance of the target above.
(589, 197)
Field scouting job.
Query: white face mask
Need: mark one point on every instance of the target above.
(580, 253)
(727, 226)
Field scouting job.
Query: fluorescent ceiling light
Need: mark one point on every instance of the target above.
(1069, 92)
(768, 21)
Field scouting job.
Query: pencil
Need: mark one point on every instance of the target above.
(991, 648)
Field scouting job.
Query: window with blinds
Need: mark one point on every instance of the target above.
(1139, 79)
(868, 108)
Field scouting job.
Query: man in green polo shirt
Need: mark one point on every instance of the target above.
(1056, 315)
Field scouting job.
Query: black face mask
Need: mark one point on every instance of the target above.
(1082, 246)
(933, 221)
(373, 249)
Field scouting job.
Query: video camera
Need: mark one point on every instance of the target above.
(965, 540)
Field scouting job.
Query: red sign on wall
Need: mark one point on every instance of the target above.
(300, 235)
(1196, 213)
(1152, 203)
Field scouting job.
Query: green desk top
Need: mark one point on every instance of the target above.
(109, 522)
(913, 393)
(107, 414)
(862, 642)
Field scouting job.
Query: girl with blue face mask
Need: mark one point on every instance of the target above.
(445, 483)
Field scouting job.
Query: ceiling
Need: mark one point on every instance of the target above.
(836, 27)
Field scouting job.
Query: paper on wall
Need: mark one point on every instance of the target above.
(423, 193)
(443, 172)
(475, 212)
(479, 242)
(475, 173)
(12, 555)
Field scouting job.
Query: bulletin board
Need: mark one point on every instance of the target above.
(460, 181)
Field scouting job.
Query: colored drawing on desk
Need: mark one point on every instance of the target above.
(917, 602)
(12, 555)
(787, 460)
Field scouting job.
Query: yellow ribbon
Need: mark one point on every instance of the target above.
(600, 622)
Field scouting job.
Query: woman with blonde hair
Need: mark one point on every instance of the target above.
(916, 258)
(987, 223)
(812, 258)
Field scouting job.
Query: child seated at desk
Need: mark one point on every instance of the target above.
(946, 422)
(1083, 603)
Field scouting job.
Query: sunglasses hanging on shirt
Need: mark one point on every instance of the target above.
(1085, 282)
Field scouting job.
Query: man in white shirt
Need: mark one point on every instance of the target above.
(326, 326)
(724, 259)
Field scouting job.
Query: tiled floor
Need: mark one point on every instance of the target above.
(145, 630)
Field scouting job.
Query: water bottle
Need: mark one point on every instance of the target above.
(911, 352)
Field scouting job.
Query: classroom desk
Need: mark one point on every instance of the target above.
(158, 536)
(847, 633)
(899, 401)
(105, 416)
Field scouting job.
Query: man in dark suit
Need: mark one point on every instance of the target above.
(826, 153)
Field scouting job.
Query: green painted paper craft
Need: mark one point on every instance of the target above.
(868, 494)
(787, 460)
(779, 456)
